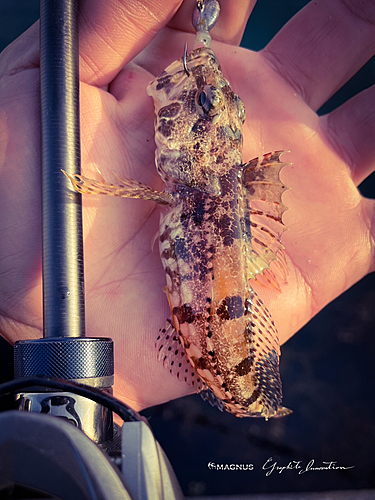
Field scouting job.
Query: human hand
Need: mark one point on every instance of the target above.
(329, 243)
(124, 277)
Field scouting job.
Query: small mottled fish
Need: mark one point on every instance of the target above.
(222, 228)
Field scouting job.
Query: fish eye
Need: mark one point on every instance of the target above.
(204, 101)
(209, 100)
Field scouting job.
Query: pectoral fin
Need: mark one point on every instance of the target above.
(128, 188)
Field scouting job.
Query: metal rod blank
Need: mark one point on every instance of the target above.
(63, 280)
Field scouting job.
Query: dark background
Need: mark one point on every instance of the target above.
(327, 368)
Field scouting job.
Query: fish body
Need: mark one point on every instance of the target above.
(220, 229)
(206, 242)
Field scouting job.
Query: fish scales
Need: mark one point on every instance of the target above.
(205, 238)
(221, 227)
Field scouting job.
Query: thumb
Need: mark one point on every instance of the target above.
(113, 32)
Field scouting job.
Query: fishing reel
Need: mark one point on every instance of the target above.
(80, 455)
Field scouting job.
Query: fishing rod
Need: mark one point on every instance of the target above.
(64, 351)
(81, 454)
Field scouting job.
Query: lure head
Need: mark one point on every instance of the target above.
(198, 131)
(205, 16)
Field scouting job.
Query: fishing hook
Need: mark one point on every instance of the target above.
(184, 61)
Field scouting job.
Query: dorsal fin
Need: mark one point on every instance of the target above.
(263, 215)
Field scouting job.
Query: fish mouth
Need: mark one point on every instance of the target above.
(201, 64)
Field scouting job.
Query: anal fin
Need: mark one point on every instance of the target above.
(173, 356)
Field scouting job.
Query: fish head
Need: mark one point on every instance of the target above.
(198, 130)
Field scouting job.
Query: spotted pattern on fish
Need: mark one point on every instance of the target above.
(223, 229)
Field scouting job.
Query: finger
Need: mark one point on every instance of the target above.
(113, 32)
(351, 131)
(323, 46)
(231, 25)
(21, 54)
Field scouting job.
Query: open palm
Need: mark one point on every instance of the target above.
(329, 244)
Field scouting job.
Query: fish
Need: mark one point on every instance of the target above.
(220, 228)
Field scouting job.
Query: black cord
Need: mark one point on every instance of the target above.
(100, 397)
